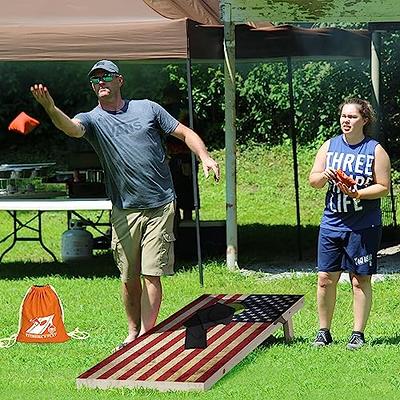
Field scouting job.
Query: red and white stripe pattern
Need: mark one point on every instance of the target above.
(160, 361)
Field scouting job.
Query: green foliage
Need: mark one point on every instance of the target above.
(263, 110)
(326, 85)
(208, 99)
(263, 105)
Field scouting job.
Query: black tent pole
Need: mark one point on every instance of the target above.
(194, 171)
(294, 151)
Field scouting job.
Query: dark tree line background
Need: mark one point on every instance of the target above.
(262, 100)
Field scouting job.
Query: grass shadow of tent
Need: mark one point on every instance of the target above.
(100, 266)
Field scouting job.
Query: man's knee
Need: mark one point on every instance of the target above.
(132, 285)
(152, 280)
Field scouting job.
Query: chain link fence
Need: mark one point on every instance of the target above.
(389, 211)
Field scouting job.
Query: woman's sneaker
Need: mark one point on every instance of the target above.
(323, 338)
(356, 341)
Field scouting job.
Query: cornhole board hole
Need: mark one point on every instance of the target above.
(159, 360)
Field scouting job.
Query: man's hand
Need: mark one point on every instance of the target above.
(42, 96)
(71, 127)
(208, 163)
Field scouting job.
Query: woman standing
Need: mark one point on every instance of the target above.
(351, 225)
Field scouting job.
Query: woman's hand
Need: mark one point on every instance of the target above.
(329, 174)
(351, 192)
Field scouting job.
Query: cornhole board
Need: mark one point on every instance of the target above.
(159, 360)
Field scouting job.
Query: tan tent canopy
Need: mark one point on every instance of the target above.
(92, 29)
(152, 30)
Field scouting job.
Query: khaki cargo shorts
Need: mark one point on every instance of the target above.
(143, 241)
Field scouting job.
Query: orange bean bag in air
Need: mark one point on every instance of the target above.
(23, 124)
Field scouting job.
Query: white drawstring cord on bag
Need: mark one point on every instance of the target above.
(77, 334)
(8, 342)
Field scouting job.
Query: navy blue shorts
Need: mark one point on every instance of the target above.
(355, 252)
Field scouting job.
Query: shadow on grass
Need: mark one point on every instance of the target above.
(271, 243)
(99, 266)
(394, 340)
(273, 341)
(257, 243)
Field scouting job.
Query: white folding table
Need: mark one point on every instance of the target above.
(13, 206)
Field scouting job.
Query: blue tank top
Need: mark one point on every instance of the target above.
(341, 212)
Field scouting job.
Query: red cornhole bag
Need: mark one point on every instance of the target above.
(345, 179)
(23, 124)
(41, 317)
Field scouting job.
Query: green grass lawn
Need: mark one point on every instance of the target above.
(279, 371)
(91, 300)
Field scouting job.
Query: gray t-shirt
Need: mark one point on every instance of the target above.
(130, 147)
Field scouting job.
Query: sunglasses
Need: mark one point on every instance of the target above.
(105, 78)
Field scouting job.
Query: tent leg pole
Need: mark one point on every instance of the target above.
(230, 143)
(294, 151)
(194, 173)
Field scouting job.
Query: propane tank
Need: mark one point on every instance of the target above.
(76, 243)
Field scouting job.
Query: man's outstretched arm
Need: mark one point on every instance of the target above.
(194, 142)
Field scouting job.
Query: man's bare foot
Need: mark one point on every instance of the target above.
(130, 338)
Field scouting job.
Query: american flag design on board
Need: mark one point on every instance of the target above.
(159, 360)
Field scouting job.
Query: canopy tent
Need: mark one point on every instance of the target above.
(158, 30)
(204, 11)
(283, 42)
